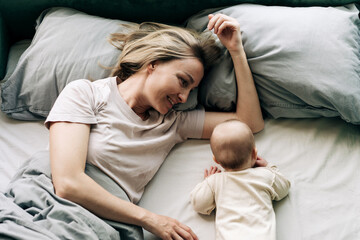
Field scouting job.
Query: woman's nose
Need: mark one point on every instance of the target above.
(183, 96)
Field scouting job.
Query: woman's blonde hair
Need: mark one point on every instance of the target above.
(149, 42)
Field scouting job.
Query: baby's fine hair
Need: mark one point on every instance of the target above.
(149, 42)
(232, 143)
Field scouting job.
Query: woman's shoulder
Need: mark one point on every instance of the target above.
(96, 92)
(91, 83)
(82, 86)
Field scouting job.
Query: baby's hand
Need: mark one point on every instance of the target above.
(260, 162)
(211, 171)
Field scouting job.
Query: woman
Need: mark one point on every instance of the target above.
(125, 125)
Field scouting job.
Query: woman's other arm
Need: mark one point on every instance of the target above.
(247, 104)
(68, 150)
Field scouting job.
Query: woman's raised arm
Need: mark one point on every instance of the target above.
(68, 150)
(247, 104)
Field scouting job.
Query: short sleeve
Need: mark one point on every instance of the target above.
(76, 103)
(192, 123)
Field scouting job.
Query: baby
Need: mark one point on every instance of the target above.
(243, 192)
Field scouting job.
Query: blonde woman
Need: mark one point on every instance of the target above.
(125, 125)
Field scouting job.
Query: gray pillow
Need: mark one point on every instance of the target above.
(305, 61)
(68, 45)
(15, 52)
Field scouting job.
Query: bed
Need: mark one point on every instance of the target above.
(319, 156)
(317, 149)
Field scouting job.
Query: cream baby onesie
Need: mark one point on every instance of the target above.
(243, 201)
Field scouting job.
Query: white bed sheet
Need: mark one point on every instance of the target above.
(321, 157)
(18, 141)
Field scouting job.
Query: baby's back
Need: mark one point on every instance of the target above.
(244, 202)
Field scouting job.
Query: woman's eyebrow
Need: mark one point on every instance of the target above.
(190, 77)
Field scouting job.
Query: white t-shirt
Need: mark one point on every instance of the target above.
(121, 144)
(243, 201)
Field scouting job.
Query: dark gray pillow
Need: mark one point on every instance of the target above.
(68, 45)
(305, 61)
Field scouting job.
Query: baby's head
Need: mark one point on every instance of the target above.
(233, 145)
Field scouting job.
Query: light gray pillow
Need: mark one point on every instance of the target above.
(305, 61)
(68, 45)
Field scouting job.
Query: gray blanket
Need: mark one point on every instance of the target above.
(29, 209)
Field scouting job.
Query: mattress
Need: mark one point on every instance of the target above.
(321, 157)
(18, 141)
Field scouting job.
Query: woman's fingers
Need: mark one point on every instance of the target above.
(219, 22)
(225, 25)
(228, 31)
(211, 22)
(169, 228)
(215, 22)
(185, 232)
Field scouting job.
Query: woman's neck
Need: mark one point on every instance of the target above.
(131, 90)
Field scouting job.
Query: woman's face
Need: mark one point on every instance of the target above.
(170, 82)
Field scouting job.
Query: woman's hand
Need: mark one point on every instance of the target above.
(168, 228)
(228, 31)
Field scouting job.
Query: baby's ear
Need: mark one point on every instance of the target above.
(215, 160)
(254, 157)
(254, 153)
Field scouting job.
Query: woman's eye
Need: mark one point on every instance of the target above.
(184, 83)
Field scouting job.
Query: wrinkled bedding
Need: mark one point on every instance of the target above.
(321, 157)
(30, 209)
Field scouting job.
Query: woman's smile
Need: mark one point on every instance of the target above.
(172, 103)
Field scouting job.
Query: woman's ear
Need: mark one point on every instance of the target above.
(151, 67)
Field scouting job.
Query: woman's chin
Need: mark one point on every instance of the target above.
(163, 110)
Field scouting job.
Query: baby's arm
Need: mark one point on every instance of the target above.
(280, 184)
(202, 197)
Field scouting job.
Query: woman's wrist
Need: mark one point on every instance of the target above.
(145, 218)
(239, 52)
